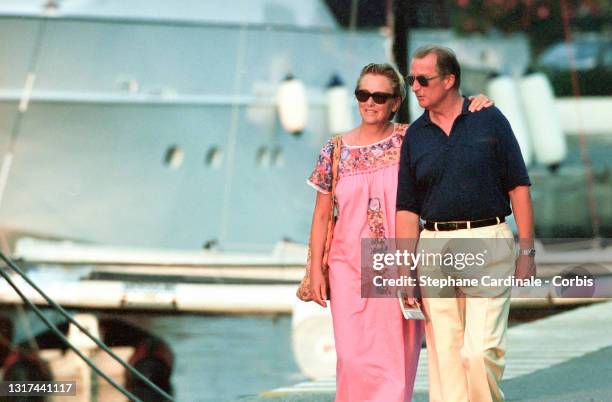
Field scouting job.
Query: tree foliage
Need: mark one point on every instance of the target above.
(541, 20)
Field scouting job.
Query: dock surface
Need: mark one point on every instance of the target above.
(564, 357)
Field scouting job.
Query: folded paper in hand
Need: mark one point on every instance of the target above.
(410, 313)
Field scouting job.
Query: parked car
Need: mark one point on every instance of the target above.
(592, 61)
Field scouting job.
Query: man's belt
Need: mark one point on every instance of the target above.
(444, 226)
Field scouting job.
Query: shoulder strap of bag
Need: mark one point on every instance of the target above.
(332, 210)
(335, 166)
(335, 163)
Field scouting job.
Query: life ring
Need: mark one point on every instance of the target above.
(152, 358)
(25, 366)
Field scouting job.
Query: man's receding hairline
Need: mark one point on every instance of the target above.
(429, 54)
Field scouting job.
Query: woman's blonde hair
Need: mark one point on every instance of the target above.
(387, 70)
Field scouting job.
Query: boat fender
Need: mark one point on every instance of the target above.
(547, 137)
(339, 118)
(292, 105)
(505, 92)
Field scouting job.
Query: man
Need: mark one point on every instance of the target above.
(459, 171)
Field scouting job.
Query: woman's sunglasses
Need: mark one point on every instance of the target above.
(421, 79)
(378, 97)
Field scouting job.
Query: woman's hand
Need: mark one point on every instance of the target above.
(318, 286)
(479, 102)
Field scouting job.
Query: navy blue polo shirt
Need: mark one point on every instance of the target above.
(464, 176)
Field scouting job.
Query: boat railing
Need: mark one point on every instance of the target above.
(9, 262)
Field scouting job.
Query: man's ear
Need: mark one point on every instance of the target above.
(449, 81)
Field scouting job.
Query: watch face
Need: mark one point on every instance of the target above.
(530, 252)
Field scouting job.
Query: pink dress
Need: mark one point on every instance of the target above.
(377, 349)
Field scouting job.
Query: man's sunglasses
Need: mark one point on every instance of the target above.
(421, 79)
(378, 97)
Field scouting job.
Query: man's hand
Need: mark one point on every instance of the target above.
(411, 296)
(411, 301)
(525, 267)
(407, 233)
(523, 215)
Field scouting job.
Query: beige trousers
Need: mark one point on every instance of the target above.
(466, 336)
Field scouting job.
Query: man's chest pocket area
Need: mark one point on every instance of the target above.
(477, 156)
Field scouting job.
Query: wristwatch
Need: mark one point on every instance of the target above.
(528, 251)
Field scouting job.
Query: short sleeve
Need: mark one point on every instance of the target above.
(513, 169)
(321, 177)
(407, 190)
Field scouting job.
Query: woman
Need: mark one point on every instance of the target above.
(377, 349)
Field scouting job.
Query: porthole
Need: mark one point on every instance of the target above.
(263, 157)
(213, 158)
(278, 157)
(174, 157)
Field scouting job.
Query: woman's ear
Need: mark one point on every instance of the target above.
(397, 104)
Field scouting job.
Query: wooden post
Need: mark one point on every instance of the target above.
(401, 21)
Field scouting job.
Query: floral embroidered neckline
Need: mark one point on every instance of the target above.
(394, 132)
(357, 159)
(367, 158)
